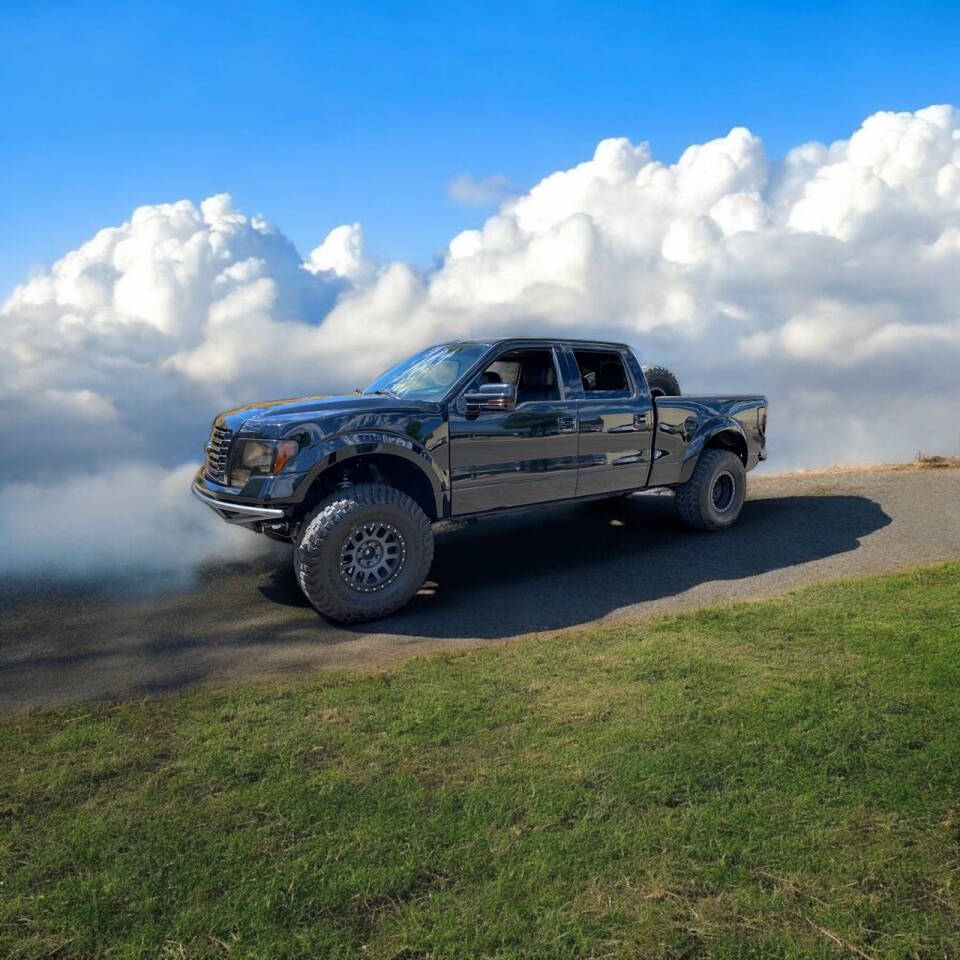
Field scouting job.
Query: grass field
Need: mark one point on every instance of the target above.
(779, 779)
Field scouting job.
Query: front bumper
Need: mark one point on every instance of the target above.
(234, 512)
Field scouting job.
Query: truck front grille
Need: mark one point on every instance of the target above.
(218, 454)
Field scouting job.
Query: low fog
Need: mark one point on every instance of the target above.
(828, 279)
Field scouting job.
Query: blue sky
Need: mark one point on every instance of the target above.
(317, 115)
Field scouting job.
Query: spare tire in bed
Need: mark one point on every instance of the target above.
(661, 381)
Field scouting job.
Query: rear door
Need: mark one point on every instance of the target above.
(508, 458)
(615, 420)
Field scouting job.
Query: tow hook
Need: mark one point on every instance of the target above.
(281, 527)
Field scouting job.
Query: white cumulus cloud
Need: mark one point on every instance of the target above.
(828, 279)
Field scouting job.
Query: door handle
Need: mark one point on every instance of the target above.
(567, 424)
(640, 419)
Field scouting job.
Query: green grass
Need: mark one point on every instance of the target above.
(778, 779)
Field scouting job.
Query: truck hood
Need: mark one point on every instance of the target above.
(270, 417)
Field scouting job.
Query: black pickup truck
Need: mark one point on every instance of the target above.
(460, 430)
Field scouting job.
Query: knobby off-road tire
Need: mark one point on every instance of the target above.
(661, 381)
(363, 552)
(713, 496)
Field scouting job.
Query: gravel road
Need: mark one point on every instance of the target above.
(547, 570)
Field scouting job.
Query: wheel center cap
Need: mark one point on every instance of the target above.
(370, 555)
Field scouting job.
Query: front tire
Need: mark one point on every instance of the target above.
(713, 496)
(363, 553)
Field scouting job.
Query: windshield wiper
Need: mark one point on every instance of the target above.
(384, 393)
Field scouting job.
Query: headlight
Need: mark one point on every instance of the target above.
(258, 458)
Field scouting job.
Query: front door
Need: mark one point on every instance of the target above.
(508, 458)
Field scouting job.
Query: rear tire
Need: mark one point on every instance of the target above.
(363, 553)
(713, 496)
(661, 381)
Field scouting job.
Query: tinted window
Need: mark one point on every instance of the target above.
(502, 371)
(602, 372)
(533, 372)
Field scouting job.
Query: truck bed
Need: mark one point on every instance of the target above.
(683, 425)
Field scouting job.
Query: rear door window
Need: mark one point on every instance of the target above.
(603, 372)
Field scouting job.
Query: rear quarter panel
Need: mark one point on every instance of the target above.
(685, 425)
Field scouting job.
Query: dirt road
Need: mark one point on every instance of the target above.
(540, 571)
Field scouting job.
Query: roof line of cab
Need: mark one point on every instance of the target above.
(574, 340)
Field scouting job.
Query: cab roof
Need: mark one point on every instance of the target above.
(573, 341)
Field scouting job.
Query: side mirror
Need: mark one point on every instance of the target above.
(491, 396)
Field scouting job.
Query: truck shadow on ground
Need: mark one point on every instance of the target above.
(557, 567)
(567, 565)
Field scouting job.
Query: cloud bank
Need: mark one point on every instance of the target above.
(828, 279)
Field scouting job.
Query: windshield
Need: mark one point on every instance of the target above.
(428, 375)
